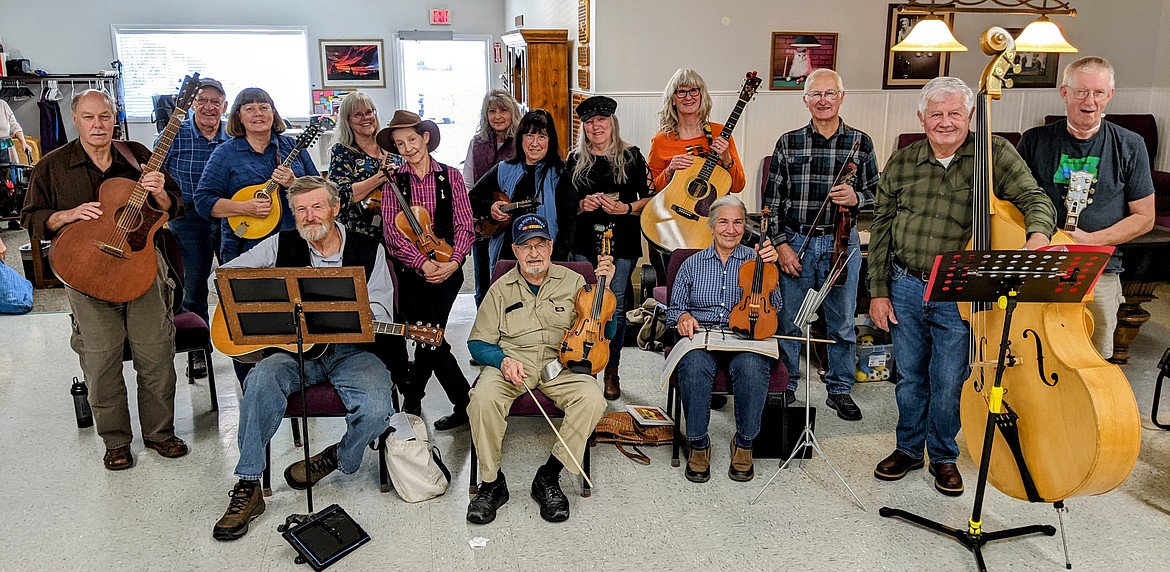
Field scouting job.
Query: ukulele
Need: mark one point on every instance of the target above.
(415, 224)
(255, 227)
(677, 217)
(112, 257)
(584, 347)
(1080, 189)
(221, 338)
(755, 318)
(488, 226)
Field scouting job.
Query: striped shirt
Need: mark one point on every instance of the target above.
(708, 289)
(188, 155)
(804, 166)
(923, 208)
(422, 194)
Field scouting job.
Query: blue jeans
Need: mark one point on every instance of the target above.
(623, 271)
(839, 308)
(360, 379)
(199, 241)
(482, 270)
(749, 373)
(931, 344)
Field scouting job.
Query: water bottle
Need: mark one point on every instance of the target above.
(81, 404)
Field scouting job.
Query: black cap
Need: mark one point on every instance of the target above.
(529, 226)
(208, 82)
(596, 105)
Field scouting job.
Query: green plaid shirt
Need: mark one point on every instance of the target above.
(923, 209)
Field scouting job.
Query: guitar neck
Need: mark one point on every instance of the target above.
(165, 139)
(1070, 222)
(712, 159)
(389, 328)
(518, 205)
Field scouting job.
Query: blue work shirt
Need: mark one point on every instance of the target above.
(188, 154)
(235, 165)
(709, 289)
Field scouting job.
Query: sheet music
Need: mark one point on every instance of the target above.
(716, 340)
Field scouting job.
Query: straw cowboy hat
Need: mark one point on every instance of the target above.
(401, 119)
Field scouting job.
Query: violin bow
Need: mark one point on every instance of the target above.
(572, 457)
(825, 203)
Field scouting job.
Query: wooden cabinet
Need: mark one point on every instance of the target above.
(538, 69)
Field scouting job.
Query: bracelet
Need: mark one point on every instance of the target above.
(629, 208)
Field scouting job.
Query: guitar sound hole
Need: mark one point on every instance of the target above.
(128, 221)
(698, 189)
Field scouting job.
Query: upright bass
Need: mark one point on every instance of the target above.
(1069, 424)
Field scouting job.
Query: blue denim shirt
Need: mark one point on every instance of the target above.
(188, 154)
(708, 289)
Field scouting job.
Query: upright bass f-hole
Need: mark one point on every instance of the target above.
(1040, 359)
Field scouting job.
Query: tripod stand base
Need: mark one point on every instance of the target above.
(973, 541)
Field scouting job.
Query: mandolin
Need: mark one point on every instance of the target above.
(1080, 189)
(755, 318)
(414, 222)
(112, 257)
(488, 226)
(252, 227)
(677, 217)
(221, 338)
(584, 347)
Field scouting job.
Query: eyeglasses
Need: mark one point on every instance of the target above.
(687, 93)
(211, 102)
(364, 114)
(1098, 94)
(829, 94)
(533, 246)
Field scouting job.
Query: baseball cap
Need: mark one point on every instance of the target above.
(529, 226)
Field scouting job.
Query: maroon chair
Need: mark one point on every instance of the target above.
(777, 381)
(523, 406)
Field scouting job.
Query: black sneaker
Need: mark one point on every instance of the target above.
(320, 465)
(491, 496)
(247, 503)
(846, 408)
(197, 365)
(790, 397)
(457, 418)
(412, 406)
(546, 491)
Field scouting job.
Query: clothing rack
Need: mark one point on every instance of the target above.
(112, 78)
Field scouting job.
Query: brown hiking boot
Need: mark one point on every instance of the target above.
(171, 448)
(320, 465)
(613, 388)
(699, 465)
(741, 468)
(247, 503)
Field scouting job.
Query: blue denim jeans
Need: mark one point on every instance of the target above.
(749, 374)
(360, 379)
(931, 344)
(839, 308)
(199, 241)
(482, 269)
(623, 271)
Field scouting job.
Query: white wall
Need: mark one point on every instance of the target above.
(74, 36)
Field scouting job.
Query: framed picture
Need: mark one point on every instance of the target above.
(352, 63)
(1037, 69)
(797, 54)
(911, 70)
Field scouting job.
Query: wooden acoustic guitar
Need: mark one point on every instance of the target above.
(1080, 189)
(254, 227)
(677, 216)
(221, 338)
(488, 226)
(112, 257)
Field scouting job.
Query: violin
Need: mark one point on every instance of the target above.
(372, 204)
(414, 222)
(843, 228)
(584, 347)
(754, 317)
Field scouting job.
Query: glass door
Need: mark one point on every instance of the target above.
(445, 81)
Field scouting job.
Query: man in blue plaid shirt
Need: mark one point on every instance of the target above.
(801, 195)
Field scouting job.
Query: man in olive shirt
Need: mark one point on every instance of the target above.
(516, 334)
(923, 208)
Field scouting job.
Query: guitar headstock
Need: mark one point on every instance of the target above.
(427, 335)
(188, 92)
(1080, 190)
(309, 136)
(750, 85)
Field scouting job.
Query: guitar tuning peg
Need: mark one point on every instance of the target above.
(1089, 202)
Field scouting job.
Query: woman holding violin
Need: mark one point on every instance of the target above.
(820, 175)
(428, 261)
(355, 165)
(611, 182)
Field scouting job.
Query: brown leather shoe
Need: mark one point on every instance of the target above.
(699, 465)
(741, 468)
(896, 466)
(613, 388)
(170, 448)
(947, 479)
(247, 503)
(300, 478)
(118, 459)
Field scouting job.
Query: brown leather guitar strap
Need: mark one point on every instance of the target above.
(124, 151)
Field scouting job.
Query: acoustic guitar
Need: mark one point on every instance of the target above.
(221, 338)
(112, 257)
(677, 216)
(255, 227)
(488, 226)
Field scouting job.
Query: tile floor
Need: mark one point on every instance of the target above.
(65, 512)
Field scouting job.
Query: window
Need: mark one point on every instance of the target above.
(155, 60)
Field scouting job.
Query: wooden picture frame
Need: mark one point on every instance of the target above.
(911, 70)
(802, 59)
(352, 63)
(1037, 69)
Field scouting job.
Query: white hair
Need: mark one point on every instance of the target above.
(942, 88)
(1089, 64)
(820, 72)
(725, 201)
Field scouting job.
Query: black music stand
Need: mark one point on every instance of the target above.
(1061, 274)
(298, 306)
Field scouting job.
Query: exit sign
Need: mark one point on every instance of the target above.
(441, 17)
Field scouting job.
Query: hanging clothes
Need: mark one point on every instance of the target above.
(52, 125)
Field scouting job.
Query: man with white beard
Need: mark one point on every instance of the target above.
(359, 376)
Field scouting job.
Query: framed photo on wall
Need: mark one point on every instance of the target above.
(1037, 69)
(911, 70)
(352, 63)
(797, 54)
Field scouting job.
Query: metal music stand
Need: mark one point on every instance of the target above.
(1063, 274)
(805, 316)
(299, 306)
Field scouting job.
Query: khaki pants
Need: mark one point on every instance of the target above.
(99, 331)
(579, 396)
(1107, 299)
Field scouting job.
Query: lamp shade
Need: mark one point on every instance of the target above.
(806, 42)
(1043, 36)
(930, 34)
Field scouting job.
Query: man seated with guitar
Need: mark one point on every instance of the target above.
(705, 290)
(359, 376)
(63, 191)
(516, 334)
